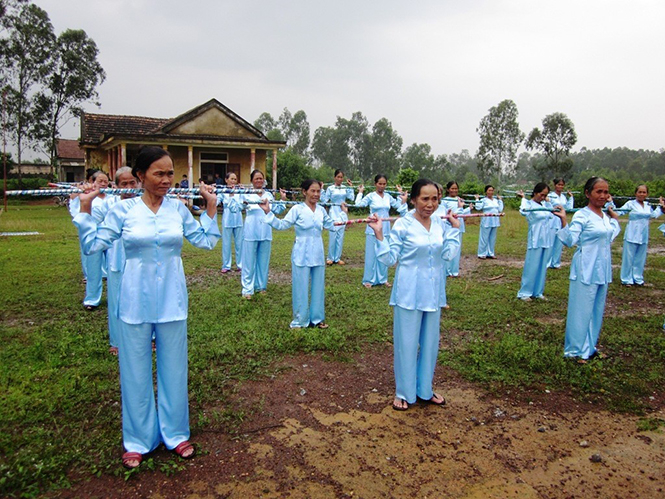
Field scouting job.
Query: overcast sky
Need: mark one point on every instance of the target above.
(433, 68)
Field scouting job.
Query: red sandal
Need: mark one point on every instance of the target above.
(128, 457)
(183, 448)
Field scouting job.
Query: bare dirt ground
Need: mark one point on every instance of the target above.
(326, 429)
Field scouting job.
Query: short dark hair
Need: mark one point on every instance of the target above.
(450, 184)
(590, 184)
(418, 186)
(147, 156)
(379, 177)
(253, 174)
(488, 186)
(337, 172)
(308, 183)
(557, 180)
(539, 187)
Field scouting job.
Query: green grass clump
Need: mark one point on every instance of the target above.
(59, 393)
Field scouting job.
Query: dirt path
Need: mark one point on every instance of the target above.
(325, 429)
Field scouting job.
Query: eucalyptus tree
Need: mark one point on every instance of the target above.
(75, 73)
(25, 55)
(500, 137)
(554, 141)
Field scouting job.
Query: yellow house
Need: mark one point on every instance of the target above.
(207, 140)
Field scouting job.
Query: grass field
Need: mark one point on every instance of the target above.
(59, 392)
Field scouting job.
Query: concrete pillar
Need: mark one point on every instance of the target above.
(274, 169)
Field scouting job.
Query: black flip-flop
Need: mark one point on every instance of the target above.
(398, 408)
(431, 402)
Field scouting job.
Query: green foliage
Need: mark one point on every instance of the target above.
(500, 137)
(61, 414)
(554, 141)
(650, 424)
(406, 177)
(292, 169)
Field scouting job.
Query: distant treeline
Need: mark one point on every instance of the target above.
(362, 150)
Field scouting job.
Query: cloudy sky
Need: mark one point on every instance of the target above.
(433, 68)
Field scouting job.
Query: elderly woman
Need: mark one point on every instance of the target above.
(257, 238)
(115, 255)
(488, 225)
(337, 194)
(539, 242)
(592, 231)
(231, 224)
(379, 202)
(94, 266)
(636, 236)
(558, 198)
(307, 263)
(454, 202)
(153, 299)
(421, 244)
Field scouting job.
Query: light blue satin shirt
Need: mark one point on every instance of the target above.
(637, 229)
(446, 205)
(420, 256)
(337, 195)
(232, 214)
(593, 235)
(153, 288)
(541, 233)
(308, 246)
(381, 206)
(560, 200)
(255, 227)
(487, 205)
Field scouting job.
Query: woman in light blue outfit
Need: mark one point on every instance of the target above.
(452, 201)
(115, 255)
(379, 202)
(307, 261)
(152, 299)
(488, 225)
(420, 244)
(231, 225)
(539, 242)
(337, 194)
(636, 236)
(257, 238)
(591, 269)
(558, 198)
(94, 266)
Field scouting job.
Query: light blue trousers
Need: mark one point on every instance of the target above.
(555, 257)
(231, 237)
(486, 241)
(632, 263)
(534, 272)
(93, 285)
(586, 304)
(255, 265)
(308, 304)
(112, 297)
(416, 347)
(335, 244)
(145, 425)
(375, 272)
(453, 265)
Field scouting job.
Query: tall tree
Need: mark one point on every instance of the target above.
(385, 149)
(358, 139)
(73, 80)
(330, 147)
(25, 54)
(500, 137)
(555, 141)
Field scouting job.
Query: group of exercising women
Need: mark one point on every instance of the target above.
(144, 236)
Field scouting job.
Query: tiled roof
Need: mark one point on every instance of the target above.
(69, 149)
(95, 126)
